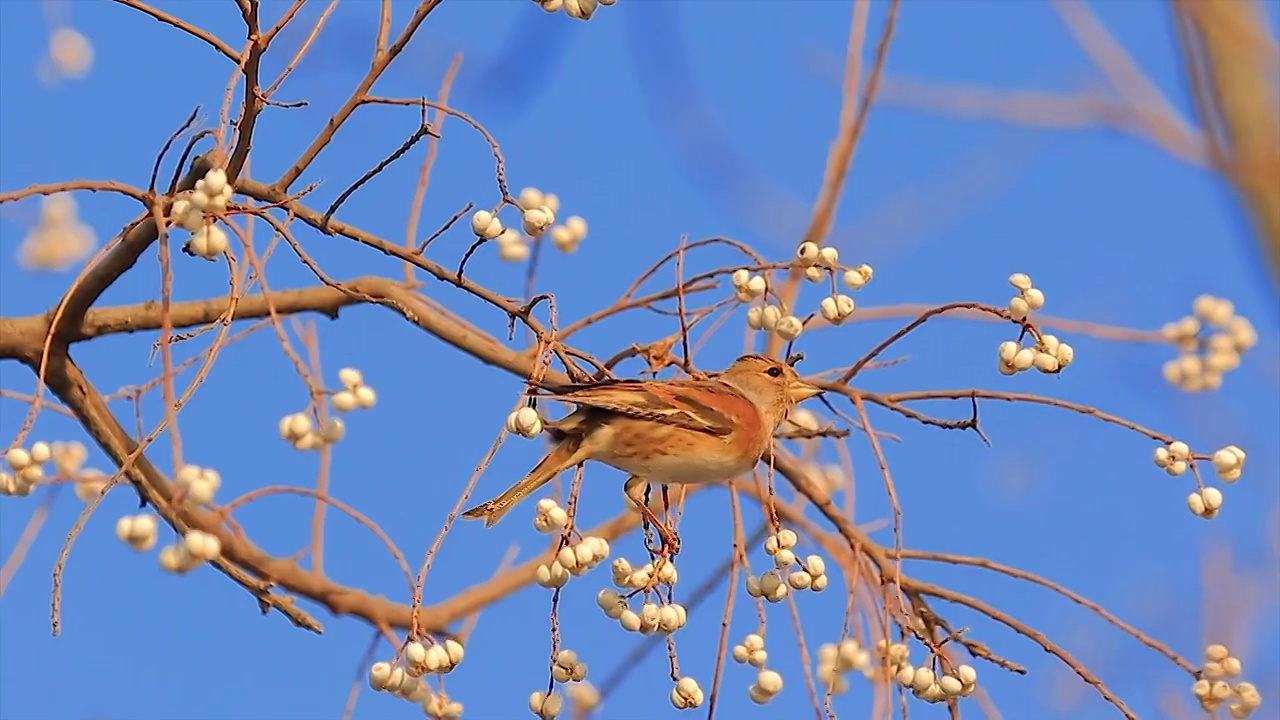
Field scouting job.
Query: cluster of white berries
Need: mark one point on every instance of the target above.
(837, 308)
(772, 319)
(197, 484)
(1050, 355)
(90, 484)
(892, 655)
(768, 585)
(438, 706)
(524, 422)
(1205, 357)
(70, 53)
(196, 547)
(568, 236)
(576, 559)
(748, 287)
(751, 651)
(651, 618)
(566, 667)
(210, 195)
(831, 477)
(646, 576)
(1205, 502)
(923, 682)
(544, 705)
(59, 239)
(486, 225)
(1212, 689)
(406, 681)
(1028, 300)
(1229, 463)
(549, 517)
(580, 9)
(138, 531)
(439, 658)
(27, 467)
(1175, 458)
(538, 217)
(927, 685)
(819, 261)
(686, 695)
(857, 278)
(802, 419)
(768, 682)
(539, 210)
(816, 261)
(298, 430)
(834, 661)
(388, 677)
(766, 687)
(512, 246)
(67, 457)
(356, 394)
(585, 696)
(771, 585)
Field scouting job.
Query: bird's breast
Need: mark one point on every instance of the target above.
(663, 454)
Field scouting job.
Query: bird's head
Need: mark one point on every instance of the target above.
(773, 385)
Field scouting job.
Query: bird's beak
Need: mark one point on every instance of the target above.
(801, 391)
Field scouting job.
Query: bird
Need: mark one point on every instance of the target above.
(683, 431)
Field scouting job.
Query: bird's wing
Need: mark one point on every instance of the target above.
(704, 406)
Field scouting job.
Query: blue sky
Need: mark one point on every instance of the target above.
(652, 121)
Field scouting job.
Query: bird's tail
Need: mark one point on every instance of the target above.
(562, 457)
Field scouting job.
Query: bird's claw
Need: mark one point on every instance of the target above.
(670, 539)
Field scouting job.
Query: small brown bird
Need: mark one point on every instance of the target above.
(666, 431)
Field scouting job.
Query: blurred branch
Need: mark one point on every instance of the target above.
(1040, 109)
(1225, 44)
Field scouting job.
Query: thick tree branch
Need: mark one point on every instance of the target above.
(126, 319)
(135, 241)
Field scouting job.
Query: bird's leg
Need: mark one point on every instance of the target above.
(638, 492)
(670, 541)
(673, 538)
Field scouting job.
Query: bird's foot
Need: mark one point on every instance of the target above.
(670, 539)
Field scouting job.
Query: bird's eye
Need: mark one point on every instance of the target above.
(774, 371)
